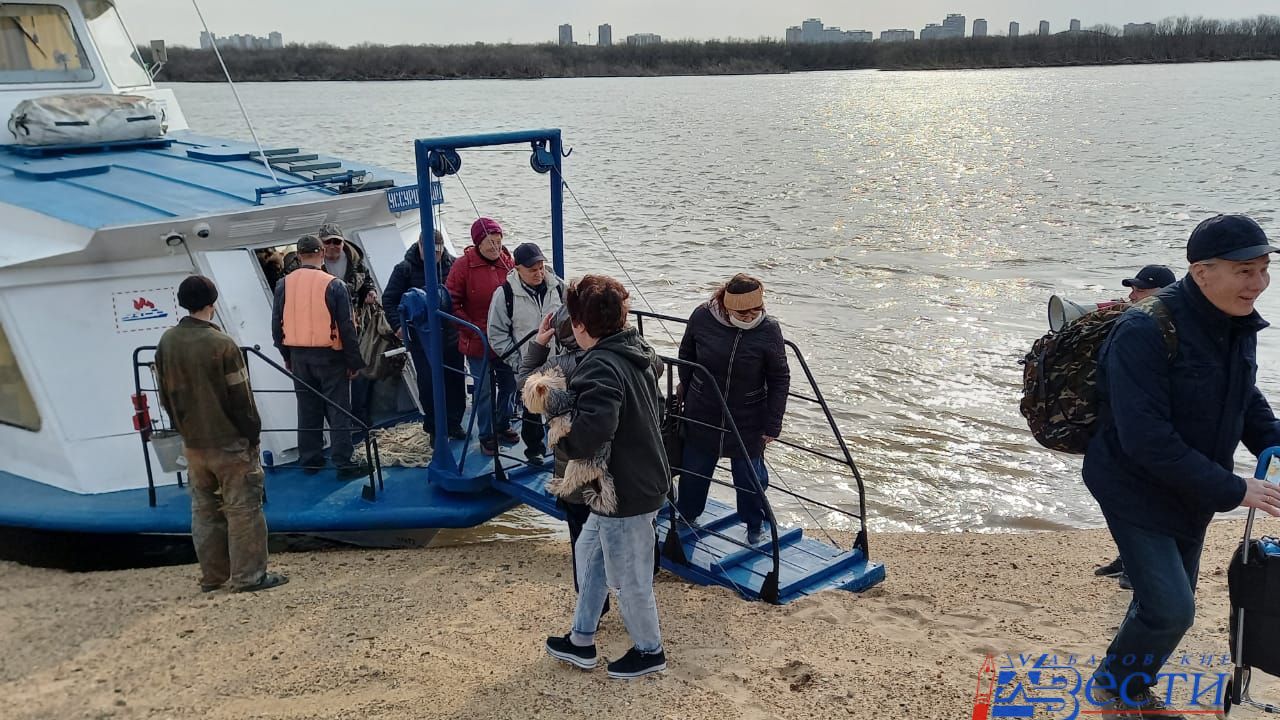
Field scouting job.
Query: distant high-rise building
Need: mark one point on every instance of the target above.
(953, 25)
(1044, 27)
(898, 35)
(566, 34)
(604, 35)
(933, 31)
(1139, 28)
(1075, 25)
(979, 28)
(1013, 29)
(242, 41)
(811, 31)
(1131, 29)
(644, 39)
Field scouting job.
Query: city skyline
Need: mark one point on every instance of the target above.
(498, 21)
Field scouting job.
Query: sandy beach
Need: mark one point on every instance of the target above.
(457, 632)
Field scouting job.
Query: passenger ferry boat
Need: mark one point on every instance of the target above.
(96, 237)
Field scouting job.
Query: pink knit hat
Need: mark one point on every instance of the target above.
(482, 228)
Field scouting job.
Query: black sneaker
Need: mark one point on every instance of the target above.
(756, 536)
(457, 433)
(354, 470)
(536, 459)
(268, 581)
(1145, 705)
(1111, 569)
(489, 446)
(562, 648)
(635, 664)
(509, 437)
(1124, 581)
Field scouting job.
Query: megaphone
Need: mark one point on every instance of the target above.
(1063, 312)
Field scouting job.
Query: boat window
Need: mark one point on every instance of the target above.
(39, 45)
(118, 52)
(16, 404)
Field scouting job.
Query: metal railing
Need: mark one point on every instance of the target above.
(845, 459)
(372, 454)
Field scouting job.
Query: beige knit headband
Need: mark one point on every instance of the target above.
(744, 301)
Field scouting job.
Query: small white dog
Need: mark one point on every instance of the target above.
(585, 481)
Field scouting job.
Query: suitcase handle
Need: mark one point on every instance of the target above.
(1260, 473)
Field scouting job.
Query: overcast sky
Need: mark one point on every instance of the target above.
(347, 22)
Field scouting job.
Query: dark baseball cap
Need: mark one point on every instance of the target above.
(308, 244)
(527, 254)
(1150, 277)
(1228, 237)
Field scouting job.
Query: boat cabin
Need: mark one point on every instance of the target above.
(95, 238)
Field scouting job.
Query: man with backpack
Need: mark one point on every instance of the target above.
(530, 292)
(1149, 281)
(1177, 394)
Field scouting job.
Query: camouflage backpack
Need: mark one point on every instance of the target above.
(1060, 375)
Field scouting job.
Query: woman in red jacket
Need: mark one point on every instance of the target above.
(472, 282)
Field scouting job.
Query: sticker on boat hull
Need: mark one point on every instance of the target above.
(142, 310)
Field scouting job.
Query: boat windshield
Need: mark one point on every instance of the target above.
(38, 44)
(118, 52)
(16, 405)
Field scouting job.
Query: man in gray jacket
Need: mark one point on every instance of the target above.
(518, 307)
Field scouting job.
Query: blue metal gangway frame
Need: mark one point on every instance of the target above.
(441, 154)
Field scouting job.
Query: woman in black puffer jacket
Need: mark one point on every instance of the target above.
(742, 347)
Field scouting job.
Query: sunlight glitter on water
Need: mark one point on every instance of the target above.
(909, 227)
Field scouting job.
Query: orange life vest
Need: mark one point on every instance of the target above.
(307, 322)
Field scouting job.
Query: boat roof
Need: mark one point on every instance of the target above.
(179, 176)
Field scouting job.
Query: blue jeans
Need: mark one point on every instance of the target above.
(697, 468)
(485, 416)
(1163, 570)
(617, 553)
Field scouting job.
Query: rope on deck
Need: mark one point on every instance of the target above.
(404, 445)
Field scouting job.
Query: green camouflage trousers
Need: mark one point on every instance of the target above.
(227, 524)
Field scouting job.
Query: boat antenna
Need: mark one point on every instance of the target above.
(213, 41)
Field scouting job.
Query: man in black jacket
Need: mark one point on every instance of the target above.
(618, 403)
(408, 274)
(1161, 462)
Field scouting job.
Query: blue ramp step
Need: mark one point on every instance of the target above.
(716, 551)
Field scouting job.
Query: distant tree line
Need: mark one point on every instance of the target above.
(1174, 40)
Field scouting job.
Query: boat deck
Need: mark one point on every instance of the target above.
(296, 502)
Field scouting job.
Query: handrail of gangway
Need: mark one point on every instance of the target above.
(820, 400)
(372, 453)
(769, 591)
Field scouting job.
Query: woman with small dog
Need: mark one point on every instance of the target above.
(743, 350)
(617, 399)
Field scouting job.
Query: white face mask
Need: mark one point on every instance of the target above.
(746, 324)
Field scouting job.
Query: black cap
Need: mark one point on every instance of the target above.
(527, 254)
(197, 292)
(1228, 237)
(1150, 277)
(309, 244)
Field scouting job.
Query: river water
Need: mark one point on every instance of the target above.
(909, 228)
